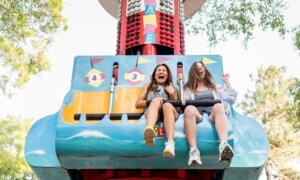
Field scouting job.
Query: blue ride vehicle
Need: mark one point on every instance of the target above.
(98, 132)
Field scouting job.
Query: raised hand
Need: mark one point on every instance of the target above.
(225, 77)
(170, 89)
(180, 76)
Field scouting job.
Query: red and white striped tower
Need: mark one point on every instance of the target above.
(151, 27)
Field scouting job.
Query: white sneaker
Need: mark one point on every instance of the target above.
(149, 136)
(194, 157)
(225, 152)
(169, 151)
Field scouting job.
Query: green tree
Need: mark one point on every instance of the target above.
(269, 99)
(297, 37)
(220, 19)
(26, 30)
(12, 138)
(272, 104)
(294, 112)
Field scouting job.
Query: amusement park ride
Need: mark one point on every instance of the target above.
(98, 133)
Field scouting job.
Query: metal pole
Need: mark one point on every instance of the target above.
(181, 92)
(112, 85)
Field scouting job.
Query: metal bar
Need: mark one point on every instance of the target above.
(112, 85)
(197, 103)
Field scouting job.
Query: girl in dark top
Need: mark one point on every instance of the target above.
(158, 90)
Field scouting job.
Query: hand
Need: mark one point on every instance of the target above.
(170, 89)
(225, 77)
(180, 76)
(159, 99)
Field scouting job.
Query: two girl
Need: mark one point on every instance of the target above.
(200, 86)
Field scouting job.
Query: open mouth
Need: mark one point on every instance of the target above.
(161, 77)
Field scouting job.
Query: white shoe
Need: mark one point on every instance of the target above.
(194, 157)
(225, 152)
(149, 136)
(169, 151)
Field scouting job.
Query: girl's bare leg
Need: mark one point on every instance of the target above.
(152, 115)
(153, 111)
(219, 117)
(170, 114)
(191, 117)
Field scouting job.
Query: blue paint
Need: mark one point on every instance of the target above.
(150, 10)
(150, 38)
(40, 143)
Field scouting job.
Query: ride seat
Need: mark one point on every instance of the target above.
(124, 103)
(93, 104)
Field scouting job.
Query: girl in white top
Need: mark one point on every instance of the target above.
(201, 86)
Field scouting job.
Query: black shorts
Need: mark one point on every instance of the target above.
(204, 112)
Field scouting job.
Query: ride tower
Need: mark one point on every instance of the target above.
(150, 27)
(98, 133)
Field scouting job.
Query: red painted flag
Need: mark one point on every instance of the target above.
(162, 59)
(95, 60)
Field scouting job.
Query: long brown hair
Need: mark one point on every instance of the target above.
(153, 86)
(195, 77)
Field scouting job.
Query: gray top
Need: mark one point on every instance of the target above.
(204, 95)
(225, 95)
(160, 93)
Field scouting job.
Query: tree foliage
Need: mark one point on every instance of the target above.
(294, 112)
(12, 138)
(273, 103)
(26, 29)
(297, 37)
(269, 99)
(219, 19)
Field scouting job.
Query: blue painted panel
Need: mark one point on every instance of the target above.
(127, 64)
(82, 66)
(51, 173)
(250, 142)
(40, 143)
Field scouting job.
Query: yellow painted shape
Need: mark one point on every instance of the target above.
(150, 19)
(95, 77)
(87, 103)
(206, 60)
(125, 100)
(142, 60)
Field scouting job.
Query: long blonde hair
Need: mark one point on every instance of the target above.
(195, 77)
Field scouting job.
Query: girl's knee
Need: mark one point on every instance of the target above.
(155, 102)
(167, 106)
(189, 111)
(219, 108)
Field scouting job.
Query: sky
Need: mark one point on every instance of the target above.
(92, 31)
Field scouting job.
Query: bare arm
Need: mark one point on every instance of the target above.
(225, 78)
(141, 101)
(229, 94)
